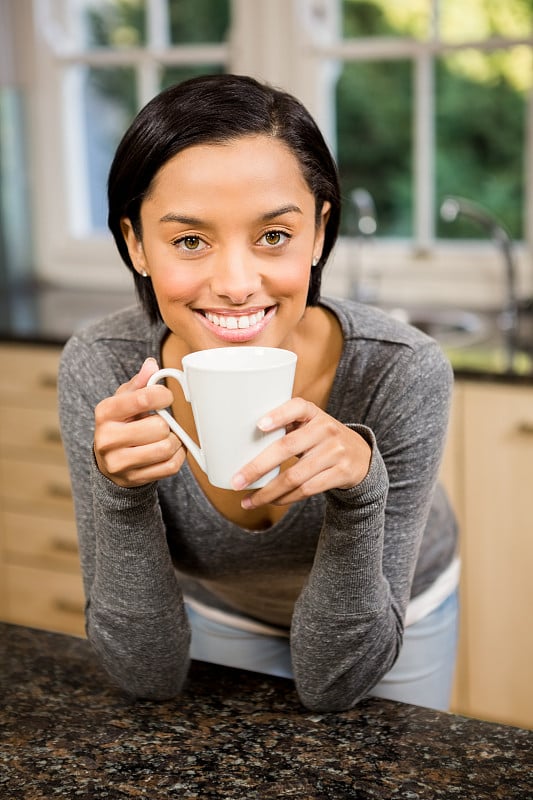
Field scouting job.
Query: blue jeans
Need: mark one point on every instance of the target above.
(422, 675)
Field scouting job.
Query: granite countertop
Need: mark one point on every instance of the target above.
(43, 314)
(66, 732)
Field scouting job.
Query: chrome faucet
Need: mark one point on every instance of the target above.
(363, 203)
(451, 209)
(365, 227)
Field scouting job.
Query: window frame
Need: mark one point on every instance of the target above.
(303, 56)
(422, 54)
(415, 268)
(59, 246)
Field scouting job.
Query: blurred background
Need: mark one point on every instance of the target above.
(427, 106)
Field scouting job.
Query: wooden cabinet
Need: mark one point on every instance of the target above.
(39, 566)
(489, 469)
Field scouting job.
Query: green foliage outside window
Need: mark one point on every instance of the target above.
(195, 21)
(480, 114)
(122, 23)
(116, 23)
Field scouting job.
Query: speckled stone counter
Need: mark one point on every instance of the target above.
(65, 732)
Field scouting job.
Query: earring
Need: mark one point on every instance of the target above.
(144, 273)
(315, 261)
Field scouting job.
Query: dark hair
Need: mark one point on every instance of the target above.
(215, 109)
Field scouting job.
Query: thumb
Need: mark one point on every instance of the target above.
(140, 380)
(148, 368)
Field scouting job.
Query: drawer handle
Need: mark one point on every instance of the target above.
(525, 427)
(68, 606)
(64, 546)
(47, 380)
(52, 436)
(58, 491)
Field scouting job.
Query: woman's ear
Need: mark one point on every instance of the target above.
(321, 230)
(134, 245)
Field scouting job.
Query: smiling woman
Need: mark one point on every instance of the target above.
(211, 259)
(202, 172)
(340, 570)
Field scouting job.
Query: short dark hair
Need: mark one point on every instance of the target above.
(209, 110)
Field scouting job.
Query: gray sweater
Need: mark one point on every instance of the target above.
(337, 570)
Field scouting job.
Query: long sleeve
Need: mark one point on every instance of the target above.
(135, 618)
(347, 626)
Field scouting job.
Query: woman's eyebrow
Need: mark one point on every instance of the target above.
(182, 218)
(278, 212)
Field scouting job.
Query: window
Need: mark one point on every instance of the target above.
(103, 60)
(431, 101)
(418, 98)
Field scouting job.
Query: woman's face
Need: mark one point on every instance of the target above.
(228, 237)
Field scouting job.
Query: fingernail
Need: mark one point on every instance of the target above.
(238, 481)
(265, 423)
(246, 503)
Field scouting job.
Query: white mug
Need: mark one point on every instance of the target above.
(230, 389)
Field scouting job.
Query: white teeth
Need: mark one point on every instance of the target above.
(235, 322)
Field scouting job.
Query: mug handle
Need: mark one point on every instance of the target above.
(191, 445)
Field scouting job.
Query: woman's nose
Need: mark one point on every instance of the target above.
(235, 277)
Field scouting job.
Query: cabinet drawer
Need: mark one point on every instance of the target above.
(44, 598)
(28, 375)
(33, 430)
(40, 541)
(35, 487)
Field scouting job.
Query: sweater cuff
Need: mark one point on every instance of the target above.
(120, 498)
(375, 485)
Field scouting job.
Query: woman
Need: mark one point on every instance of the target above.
(224, 204)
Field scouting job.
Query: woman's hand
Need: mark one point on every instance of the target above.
(322, 454)
(133, 446)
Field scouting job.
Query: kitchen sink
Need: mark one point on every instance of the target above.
(449, 326)
(490, 341)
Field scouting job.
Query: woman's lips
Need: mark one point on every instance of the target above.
(237, 327)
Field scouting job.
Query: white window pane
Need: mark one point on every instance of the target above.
(15, 183)
(108, 104)
(198, 21)
(386, 18)
(114, 23)
(375, 141)
(481, 19)
(102, 100)
(480, 155)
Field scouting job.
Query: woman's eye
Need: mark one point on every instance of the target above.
(273, 238)
(190, 243)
